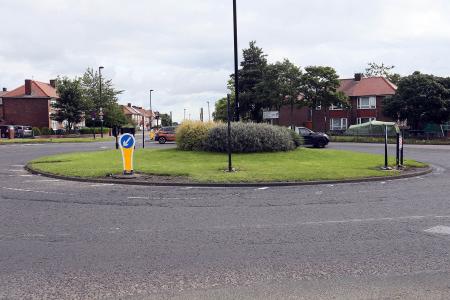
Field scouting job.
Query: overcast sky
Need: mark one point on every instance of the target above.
(183, 49)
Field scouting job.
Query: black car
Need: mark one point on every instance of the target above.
(315, 139)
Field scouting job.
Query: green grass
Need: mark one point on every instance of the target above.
(298, 165)
(54, 140)
(380, 140)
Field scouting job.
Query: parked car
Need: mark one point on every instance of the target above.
(315, 139)
(21, 131)
(4, 130)
(165, 134)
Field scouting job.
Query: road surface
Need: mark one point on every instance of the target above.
(71, 240)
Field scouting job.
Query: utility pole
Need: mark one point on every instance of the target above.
(236, 77)
(201, 114)
(171, 120)
(100, 102)
(184, 116)
(209, 113)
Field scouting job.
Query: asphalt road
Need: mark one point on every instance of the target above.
(70, 240)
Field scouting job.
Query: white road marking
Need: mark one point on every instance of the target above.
(27, 175)
(102, 184)
(345, 221)
(439, 230)
(319, 193)
(263, 188)
(383, 182)
(20, 170)
(34, 191)
(19, 166)
(147, 198)
(43, 180)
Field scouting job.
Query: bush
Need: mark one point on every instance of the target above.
(251, 137)
(192, 135)
(47, 131)
(90, 130)
(36, 131)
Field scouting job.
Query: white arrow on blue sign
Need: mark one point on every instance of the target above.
(127, 141)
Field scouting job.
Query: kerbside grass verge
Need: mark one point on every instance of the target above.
(54, 140)
(205, 167)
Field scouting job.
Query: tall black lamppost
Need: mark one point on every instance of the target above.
(236, 77)
(100, 102)
(151, 111)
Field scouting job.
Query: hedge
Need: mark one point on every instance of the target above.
(90, 130)
(245, 137)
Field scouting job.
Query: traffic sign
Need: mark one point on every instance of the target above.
(127, 142)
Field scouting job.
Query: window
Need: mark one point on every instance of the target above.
(338, 124)
(365, 120)
(367, 102)
(1, 101)
(336, 107)
(318, 106)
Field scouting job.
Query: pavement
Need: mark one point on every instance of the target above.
(74, 240)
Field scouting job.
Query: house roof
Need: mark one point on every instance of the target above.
(370, 86)
(38, 90)
(129, 110)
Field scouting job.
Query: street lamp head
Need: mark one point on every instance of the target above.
(152, 90)
(101, 67)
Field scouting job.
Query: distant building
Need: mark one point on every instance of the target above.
(139, 115)
(366, 99)
(31, 105)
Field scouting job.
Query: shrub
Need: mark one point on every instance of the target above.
(251, 137)
(192, 135)
(36, 131)
(47, 131)
(90, 130)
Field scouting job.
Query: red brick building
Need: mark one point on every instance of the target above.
(366, 99)
(30, 104)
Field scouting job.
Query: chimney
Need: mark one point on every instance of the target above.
(358, 76)
(53, 83)
(129, 104)
(5, 89)
(28, 87)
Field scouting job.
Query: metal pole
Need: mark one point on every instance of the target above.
(101, 118)
(397, 152)
(209, 113)
(230, 168)
(143, 130)
(236, 77)
(184, 116)
(171, 120)
(402, 146)
(151, 111)
(385, 147)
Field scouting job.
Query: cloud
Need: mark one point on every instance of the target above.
(184, 49)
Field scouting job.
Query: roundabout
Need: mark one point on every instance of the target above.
(67, 239)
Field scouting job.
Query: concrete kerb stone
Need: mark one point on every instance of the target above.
(421, 172)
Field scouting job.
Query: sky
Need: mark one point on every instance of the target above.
(183, 49)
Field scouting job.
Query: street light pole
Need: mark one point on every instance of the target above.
(236, 77)
(209, 113)
(151, 111)
(101, 116)
(184, 115)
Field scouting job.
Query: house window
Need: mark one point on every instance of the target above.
(338, 123)
(336, 107)
(365, 120)
(1, 101)
(367, 102)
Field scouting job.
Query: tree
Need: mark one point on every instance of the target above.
(220, 111)
(420, 98)
(251, 74)
(69, 107)
(320, 88)
(281, 85)
(374, 70)
(165, 120)
(90, 83)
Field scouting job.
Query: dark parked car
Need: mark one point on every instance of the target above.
(315, 139)
(4, 130)
(165, 134)
(21, 131)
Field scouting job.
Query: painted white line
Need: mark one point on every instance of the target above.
(319, 193)
(34, 191)
(345, 221)
(17, 166)
(146, 198)
(439, 230)
(20, 170)
(383, 182)
(43, 180)
(27, 175)
(103, 184)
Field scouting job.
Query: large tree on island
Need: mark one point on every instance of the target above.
(70, 106)
(320, 88)
(113, 114)
(374, 70)
(420, 98)
(250, 75)
(282, 85)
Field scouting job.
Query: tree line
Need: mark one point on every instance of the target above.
(79, 98)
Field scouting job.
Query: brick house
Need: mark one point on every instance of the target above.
(366, 100)
(30, 104)
(137, 113)
(2, 92)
